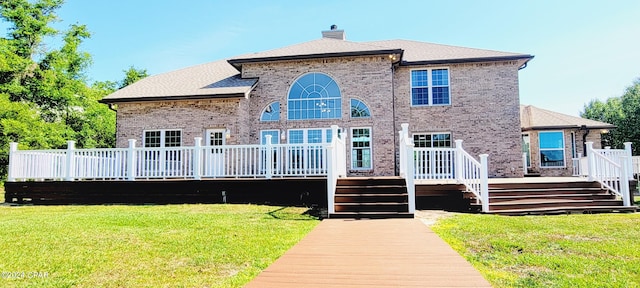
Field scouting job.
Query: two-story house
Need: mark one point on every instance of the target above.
(368, 89)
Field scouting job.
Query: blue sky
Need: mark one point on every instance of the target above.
(583, 49)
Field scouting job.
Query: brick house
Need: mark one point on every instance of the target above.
(553, 141)
(368, 89)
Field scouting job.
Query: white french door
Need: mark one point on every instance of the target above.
(214, 157)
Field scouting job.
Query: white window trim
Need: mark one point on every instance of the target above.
(270, 130)
(564, 151)
(370, 149)
(433, 133)
(162, 136)
(430, 86)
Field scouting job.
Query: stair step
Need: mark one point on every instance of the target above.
(550, 203)
(370, 215)
(494, 199)
(565, 209)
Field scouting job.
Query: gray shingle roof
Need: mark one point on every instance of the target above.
(213, 79)
(416, 52)
(219, 79)
(534, 118)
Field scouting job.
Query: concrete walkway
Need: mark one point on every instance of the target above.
(370, 253)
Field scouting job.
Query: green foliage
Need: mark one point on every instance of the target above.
(146, 246)
(624, 112)
(44, 96)
(549, 251)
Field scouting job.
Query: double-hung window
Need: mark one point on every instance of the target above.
(162, 138)
(551, 149)
(430, 87)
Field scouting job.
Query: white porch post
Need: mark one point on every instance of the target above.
(524, 163)
(624, 181)
(484, 181)
(409, 177)
(269, 157)
(458, 160)
(197, 158)
(68, 174)
(13, 147)
(404, 133)
(590, 161)
(131, 160)
(629, 155)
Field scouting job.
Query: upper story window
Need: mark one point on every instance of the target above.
(271, 112)
(314, 96)
(359, 109)
(430, 87)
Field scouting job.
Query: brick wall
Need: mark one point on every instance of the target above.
(484, 112)
(368, 79)
(193, 117)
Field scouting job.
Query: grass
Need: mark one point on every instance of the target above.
(144, 246)
(600, 250)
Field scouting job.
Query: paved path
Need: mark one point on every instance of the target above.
(370, 253)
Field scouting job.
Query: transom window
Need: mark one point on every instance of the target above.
(430, 87)
(162, 138)
(432, 140)
(314, 96)
(271, 112)
(361, 148)
(359, 109)
(551, 148)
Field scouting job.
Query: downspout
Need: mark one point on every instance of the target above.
(393, 111)
(111, 105)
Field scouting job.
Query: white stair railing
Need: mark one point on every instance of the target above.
(473, 174)
(611, 169)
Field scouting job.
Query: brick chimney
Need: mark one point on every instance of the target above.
(334, 33)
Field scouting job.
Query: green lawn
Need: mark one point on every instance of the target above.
(144, 246)
(600, 250)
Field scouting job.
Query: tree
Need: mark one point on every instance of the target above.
(624, 112)
(44, 96)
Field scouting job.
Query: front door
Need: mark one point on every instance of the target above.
(215, 157)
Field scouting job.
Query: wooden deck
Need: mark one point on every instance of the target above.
(370, 253)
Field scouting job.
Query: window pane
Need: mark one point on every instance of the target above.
(275, 136)
(419, 78)
(440, 95)
(296, 136)
(420, 96)
(152, 138)
(551, 140)
(552, 158)
(271, 113)
(361, 148)
(440, 77)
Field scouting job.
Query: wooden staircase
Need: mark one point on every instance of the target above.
(551, 198)
(371, 197)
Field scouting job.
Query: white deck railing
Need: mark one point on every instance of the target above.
(336, 163)
(194, 162)
(444, 163)
(612, 169)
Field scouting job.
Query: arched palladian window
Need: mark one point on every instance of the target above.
(314, 96)
(271, 112)
(359, 109)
